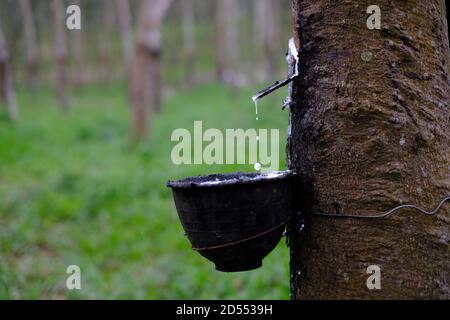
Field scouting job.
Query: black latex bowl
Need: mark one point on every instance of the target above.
(234, 220)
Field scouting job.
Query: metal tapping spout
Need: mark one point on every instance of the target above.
(281, 83)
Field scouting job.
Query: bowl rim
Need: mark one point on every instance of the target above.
(229, 179)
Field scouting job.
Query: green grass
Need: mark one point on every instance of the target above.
(72, 191)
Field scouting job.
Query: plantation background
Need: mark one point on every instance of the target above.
(74, 190)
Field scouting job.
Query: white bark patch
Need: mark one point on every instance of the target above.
(402, 140)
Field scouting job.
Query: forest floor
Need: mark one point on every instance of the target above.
(73, 191)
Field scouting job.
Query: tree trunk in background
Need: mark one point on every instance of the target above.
(266, 36)
(188, 28)
(60, 53)
(272, 46)
(7, 94)
(78, 52)
(227, 41)
(106, 21)
(370, 131)
(30, 42)
(219, 51)
(145, 73)
(126, 35)
(259, 16)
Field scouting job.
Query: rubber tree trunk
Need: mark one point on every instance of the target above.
(219, 51)
(272, 34)
(370, 131)
(188, 28)
(60, 53)
(105, 60)
(78, 49)
(30, 43)
(78, 52)
(7, 93)
(126, 35)
(227, 40)
(145, 78)
(266, 36)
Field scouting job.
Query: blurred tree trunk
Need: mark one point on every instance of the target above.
(106, 21)
(266, 39)
(259, 16)
(126, 35)
(219, 52)
(272, 46)
(370, 131)
(30, 43)
(78, 52)
(145, 73)
(188, 27)
(60, 53)
(227, 40)
(7, 94)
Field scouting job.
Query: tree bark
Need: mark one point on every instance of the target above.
(7, 93)
(145, 78)
(126, 35)
(370, 131)
(30, 43)
(188, 26)
(60, 53)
